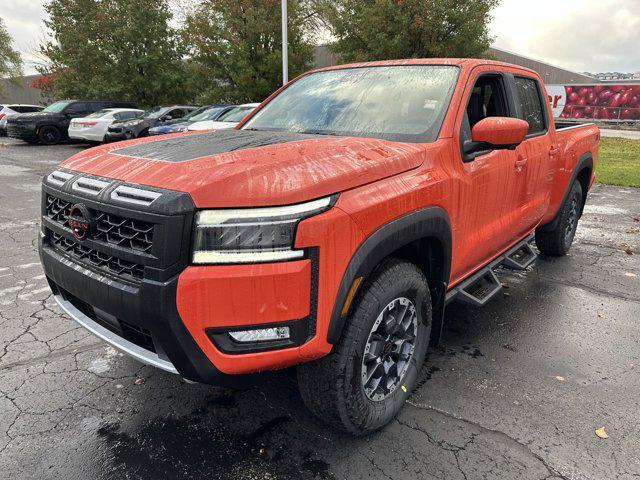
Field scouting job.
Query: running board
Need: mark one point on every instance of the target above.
(483, 285)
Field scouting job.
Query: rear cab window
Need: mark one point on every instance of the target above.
(530, 104)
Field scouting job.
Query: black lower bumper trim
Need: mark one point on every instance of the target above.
(151, 307)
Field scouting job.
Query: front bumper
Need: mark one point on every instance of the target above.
(22, 132)
(177, 317)
(141, 321)
(118, 136)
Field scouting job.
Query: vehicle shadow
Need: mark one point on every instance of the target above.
(204, 431)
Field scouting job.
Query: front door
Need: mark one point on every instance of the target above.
(487, 183)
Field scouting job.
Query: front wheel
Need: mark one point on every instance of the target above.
(557, 242)
(363, 383)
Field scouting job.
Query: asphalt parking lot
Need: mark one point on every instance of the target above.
(516, 390)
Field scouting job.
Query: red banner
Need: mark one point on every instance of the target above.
(600, 102)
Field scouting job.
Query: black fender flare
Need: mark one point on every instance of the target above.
(430, 222)
(585, 161)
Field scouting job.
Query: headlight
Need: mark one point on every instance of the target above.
(252, 235)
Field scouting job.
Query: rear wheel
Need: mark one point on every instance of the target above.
(49, 135)
(363, 383)
(557, 242)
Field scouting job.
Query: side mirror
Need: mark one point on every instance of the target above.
(495, 133)
(166, 118)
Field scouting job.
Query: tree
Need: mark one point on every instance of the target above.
(114, 49)
(390, 29)
(235, 47)
(10, 60)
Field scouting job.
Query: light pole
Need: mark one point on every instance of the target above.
(285, 56)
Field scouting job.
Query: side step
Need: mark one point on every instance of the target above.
(520, 258)
(480, 288)
(483, 285)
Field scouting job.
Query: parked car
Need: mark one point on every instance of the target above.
(328, 231)
(229, 120)
(8, 111)
(51, 125)
(139, 127)
(208, 112)
(93, 128)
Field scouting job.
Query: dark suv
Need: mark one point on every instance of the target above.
(51, 125)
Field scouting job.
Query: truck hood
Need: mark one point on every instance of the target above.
(234, 168)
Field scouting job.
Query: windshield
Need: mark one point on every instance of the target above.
(235, 114)
(98, 114)
(402, 103)
(56, 107)
(155, 112)
(207, 114)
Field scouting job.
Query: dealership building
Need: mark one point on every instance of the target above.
(550, 74)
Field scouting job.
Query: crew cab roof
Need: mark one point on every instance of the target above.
(459, 62)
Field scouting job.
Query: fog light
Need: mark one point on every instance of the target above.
(262, 335)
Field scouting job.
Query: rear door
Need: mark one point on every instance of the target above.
(487, 179)
(534, 172)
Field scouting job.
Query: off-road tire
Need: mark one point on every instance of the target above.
(49, 135)
(557, 242)
(332, 387)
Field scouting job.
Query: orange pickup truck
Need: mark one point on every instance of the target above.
(328, 230)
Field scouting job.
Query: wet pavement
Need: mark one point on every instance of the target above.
(516, 390)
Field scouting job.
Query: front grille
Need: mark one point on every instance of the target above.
(111, 229)
(107, 263)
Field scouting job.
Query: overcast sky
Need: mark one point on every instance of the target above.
(581, 35)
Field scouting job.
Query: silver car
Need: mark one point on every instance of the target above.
(8, 110)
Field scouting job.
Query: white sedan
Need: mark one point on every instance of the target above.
(226, 121)
(94, 127)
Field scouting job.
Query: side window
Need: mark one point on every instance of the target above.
(177, 113)
(127, 115)
(76, 108)
(487, 99)
(530, 103)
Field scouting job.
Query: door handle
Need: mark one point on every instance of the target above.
(521, 161)
(553, 151)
